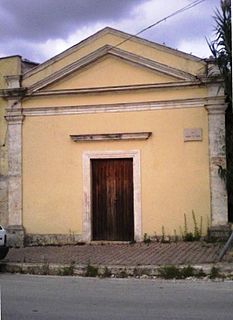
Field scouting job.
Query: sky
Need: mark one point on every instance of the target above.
(39, 29)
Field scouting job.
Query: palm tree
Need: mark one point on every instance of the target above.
(221, 49)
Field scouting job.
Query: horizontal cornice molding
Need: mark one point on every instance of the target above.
(111, 136)
(119, 107)
(119, 88)
(216, 105)
(13, 93)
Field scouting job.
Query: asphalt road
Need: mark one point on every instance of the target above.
(47, 297)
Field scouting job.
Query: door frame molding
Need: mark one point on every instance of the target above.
(87, 201)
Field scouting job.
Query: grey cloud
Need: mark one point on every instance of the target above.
(26, 49)
(193, 24)
(25, 23)
(47, 19)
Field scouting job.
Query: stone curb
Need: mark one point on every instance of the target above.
(117, 271)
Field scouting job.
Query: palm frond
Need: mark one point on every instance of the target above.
(221, 47)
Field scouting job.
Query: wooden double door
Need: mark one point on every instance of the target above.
(112, 199)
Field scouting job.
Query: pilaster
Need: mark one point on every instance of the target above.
(14, 119)
(217, 159)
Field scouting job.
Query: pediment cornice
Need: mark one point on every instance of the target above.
(125, 37)
(113, 51)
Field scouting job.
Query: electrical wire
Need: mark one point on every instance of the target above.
(185, 8)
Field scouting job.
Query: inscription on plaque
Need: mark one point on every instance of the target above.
(192, 134)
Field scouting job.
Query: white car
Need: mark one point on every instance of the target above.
(2, 236)
(3, 243)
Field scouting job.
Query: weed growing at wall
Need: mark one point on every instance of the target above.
(165, 239)
(146, 239)
(194, 235)
(176, 238)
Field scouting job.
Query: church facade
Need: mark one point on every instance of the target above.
(114, 138)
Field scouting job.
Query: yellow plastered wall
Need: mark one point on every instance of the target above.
(174, 173)
(110, 71)
(136, 96)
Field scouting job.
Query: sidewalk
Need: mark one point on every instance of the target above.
(122, 254)
(118, 259)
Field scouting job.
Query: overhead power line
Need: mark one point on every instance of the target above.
(185, 8)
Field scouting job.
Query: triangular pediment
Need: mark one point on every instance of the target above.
(160, 63)
(110, 71)
(110, 66)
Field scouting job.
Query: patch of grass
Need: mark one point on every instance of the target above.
(45, 269)
(173, 272)
(169, 272)
(91, 271)
(200, 274)
(123, 274)
(67, 271)
(215, 273)
(107, 273)
(187, 272)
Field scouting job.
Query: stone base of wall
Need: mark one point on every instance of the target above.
(51, 239)
(15, 236)
(3, 201)
(220, 233)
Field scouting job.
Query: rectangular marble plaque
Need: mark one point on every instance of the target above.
(192, 134)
